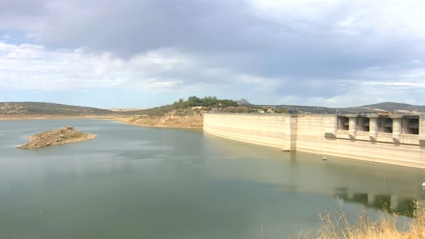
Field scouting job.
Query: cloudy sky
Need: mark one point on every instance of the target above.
(144, 53)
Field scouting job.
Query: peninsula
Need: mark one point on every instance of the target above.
(181, 114)
(59, 136)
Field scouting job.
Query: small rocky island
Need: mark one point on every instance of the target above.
(59, 136)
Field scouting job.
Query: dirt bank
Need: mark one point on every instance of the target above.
(168, 121)
(60, 136)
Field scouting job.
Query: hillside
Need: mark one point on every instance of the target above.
(41, 108)
(175, 119)
(192, 106)
(380, 107)
(393, 106)
(181, 114)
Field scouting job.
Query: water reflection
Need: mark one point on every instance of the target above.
(134, 182)
(399, 204)
(383, 187)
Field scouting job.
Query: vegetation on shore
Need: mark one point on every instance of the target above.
(187, 113)
(41, 108)
(181, 114)
(195, 105)
(335, 225)
(59, 136)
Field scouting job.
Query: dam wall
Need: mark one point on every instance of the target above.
(272, 131)
(393, 140)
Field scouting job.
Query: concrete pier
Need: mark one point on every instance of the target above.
(373, 126)
(396, 126)
(352, 127)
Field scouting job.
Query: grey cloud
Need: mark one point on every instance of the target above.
(136, 26)
(230, 35)
(227, 30)
(313, 88)
(16, 8)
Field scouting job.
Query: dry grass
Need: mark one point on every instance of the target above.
(168, 121)
(335, 225)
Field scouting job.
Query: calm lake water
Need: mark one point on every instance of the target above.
(136, 182)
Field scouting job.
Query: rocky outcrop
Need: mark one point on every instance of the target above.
(173, 119)
(59, 136)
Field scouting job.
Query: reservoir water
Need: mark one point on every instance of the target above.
(137, 182)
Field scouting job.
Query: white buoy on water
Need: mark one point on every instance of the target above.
(423, 184)
(324, 158)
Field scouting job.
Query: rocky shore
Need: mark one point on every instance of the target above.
(170, 120)
(59, 136)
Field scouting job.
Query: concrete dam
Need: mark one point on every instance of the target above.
(390, 139)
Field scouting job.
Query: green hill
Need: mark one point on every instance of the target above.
(41, 108)
(193, 105)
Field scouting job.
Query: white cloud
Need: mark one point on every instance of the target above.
(363, 92)
(33, 67)
(346, 17)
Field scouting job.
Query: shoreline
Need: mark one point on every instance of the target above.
(124, 119)
(168, 121)
(166, 126)
(48, 117)
(160, 126)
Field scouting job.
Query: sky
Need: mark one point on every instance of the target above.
(146, 53)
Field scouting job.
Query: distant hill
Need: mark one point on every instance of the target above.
(380, 107)
(389, 106)
(243, 102)
(393, 106)
(188, 107)
(41, 108)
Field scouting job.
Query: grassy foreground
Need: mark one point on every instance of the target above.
(336, 226)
